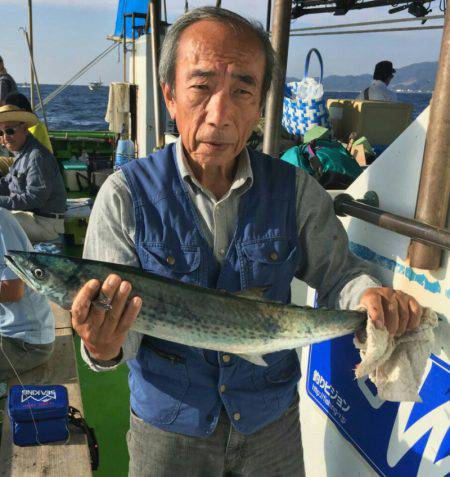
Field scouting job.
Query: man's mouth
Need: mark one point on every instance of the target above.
(215, 145)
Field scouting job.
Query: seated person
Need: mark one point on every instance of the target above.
(378, 90)
(39, 130)
(33, 188)
(27, 325)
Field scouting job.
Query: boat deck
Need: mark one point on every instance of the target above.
(68, 459)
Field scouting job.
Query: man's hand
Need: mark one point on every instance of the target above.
(104, 332)
(394, 309)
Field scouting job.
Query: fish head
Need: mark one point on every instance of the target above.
(54, 276)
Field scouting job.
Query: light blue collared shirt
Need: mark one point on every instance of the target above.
(29, 319)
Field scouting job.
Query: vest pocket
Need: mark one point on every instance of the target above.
(179, 262)
(167, 382)
(269, 261)
(278, 378)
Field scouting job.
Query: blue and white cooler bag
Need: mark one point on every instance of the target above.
(304, 105)
(38, 414)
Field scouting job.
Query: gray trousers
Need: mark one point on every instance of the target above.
(22, 355)
(274, 451)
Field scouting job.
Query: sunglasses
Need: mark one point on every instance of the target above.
(9, 131)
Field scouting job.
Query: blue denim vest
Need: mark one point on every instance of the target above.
(182, 389)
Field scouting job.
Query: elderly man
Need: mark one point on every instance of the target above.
(211, 212)
(7, 83)
(33, 188)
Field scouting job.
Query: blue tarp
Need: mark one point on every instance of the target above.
(129, 6)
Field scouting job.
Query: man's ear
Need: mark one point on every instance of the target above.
(169, 99)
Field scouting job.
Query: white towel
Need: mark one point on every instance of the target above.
(118, 109)
(396, 364)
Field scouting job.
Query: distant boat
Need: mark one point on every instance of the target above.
(95, 85)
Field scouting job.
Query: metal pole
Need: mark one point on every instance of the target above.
(154, 23)
(124, 47)
(38, 87)
(434, 188)
(134, 48)
(274, 103)
(424, 233)
(30, 29)
(269, 11)
(359, 24)
(374, 30)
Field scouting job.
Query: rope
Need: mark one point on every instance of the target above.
(80, 73)
(380, 30)
(378, 22)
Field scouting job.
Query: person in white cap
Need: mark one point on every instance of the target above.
(34, 188)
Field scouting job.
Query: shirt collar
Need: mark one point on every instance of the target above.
(244, 173)
(379, 83)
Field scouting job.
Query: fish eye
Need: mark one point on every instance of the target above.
(39, 273)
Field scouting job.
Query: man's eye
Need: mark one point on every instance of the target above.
(243, 91)
(200, 86)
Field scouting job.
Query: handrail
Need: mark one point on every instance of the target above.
(344, 205)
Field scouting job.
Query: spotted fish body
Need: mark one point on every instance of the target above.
(188, 314)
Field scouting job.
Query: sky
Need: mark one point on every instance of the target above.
(70, 33)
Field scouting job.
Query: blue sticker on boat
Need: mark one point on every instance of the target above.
(408, 440)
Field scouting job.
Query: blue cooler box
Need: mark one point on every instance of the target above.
(38, 414)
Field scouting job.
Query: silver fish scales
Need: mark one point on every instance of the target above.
(189, 314)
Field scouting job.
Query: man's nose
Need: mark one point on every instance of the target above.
(218, 110)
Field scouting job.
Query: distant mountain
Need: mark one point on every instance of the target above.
(415, 77)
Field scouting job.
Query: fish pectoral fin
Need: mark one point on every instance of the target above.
(254, 359)
(256, 293)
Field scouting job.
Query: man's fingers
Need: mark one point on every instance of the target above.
(391, 315)
(82, 302)
(118, 305)
(375, 311)
(403, 313)
(415, 314)
(129, 315)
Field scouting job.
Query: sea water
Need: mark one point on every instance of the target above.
(77, 108)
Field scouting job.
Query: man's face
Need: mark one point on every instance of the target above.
(13, 135)
(217, 96)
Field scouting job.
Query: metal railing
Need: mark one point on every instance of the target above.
(344, 205)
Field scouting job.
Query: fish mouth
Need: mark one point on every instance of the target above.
(15, 266)
(9, 260)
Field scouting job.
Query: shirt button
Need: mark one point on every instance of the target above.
(226, 358)
(273, 256)
(236, 416)
(170, 260)
(222, 251)
(222, 388)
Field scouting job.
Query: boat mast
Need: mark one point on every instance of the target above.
(434, 189)
(155, 22)
(274, 103)
(30, 37)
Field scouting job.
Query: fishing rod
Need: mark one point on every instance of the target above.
(77, 75)
(33, 67)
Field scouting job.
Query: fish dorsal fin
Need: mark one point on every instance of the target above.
(255, 294)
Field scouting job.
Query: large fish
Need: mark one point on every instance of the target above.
(188, 314)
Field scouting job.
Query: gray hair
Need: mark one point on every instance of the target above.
(168, 57)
